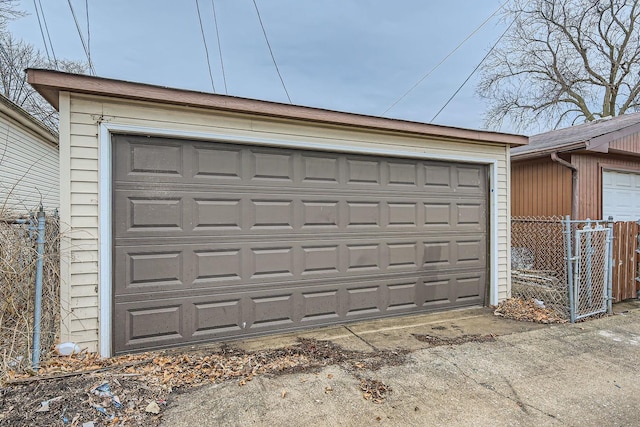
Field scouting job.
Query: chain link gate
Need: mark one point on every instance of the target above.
(588, 246)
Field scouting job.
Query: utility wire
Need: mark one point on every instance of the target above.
(84, 44)
(44, 40)
(473, 72)
(86, 8)
(444, 59)
(46, 27)
(206, 49)
(215, 20)
(271, 52)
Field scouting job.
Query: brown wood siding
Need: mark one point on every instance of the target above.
(629, 144)
(590, 179)
(540, 187)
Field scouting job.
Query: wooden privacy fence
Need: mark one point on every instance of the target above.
(625, 260)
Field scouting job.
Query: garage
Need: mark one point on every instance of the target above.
(218, 240)
(196, 217)
(620, 195)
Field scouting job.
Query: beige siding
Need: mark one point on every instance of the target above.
(28, 169)
(81, 210)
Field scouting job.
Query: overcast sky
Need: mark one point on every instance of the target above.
(347, 55)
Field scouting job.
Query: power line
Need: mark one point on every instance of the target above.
(206, 49)
(86, 8)
(473, 72)
(44, 40)
(46, 27)
(215, 20)
(444, 59)
(271, 52)
(84, 44)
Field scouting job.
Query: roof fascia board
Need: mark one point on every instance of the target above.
(602, 142)
(49, 83)
(547, 151)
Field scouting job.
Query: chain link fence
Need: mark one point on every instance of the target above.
(538, 266)
(591, 241)
(18, 258)
(563, 265)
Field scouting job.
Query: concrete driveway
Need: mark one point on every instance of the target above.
(586, 374)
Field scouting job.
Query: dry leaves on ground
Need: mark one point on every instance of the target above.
(134, 389)
(526, 310)
(437, 341)
(374, 390)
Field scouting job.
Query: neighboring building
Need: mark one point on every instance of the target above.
(28, 162)
(586, 171)
(197, 217)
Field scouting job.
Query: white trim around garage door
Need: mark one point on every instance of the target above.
(105, 203)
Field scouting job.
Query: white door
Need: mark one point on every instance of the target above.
(621, 195)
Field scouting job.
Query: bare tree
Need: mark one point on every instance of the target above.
(16, 56)
(562, 62)
(8, 12)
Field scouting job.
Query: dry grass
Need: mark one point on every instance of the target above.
(18, 259)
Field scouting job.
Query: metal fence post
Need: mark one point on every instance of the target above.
(37, 314)
(567, 232)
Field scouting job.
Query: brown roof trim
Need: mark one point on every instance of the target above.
(21, 116)
(547, 151)
(50, 83)
(610, 137)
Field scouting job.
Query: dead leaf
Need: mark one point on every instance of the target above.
(330, 376)
(328, 389)
(283, 394)
(152, 408)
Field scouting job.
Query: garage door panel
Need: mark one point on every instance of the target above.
(217, 317)
(167, 212)
(155, 322)
(150, 268)
(246, 166)
(144, 269)
(403, 295)
(469, 287)
(269, 167)
(160, 214)
(215, 241)
(189, 319)
(404, 175)
(470, 177)
(216, 163)
(162, 159)
(621, 195)
(320, 305)
(318, 169)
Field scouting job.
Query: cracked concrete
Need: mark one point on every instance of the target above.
(584, 374)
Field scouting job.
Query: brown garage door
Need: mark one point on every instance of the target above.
(216, 240)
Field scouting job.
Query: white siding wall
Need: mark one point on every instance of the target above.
(81, 116)
(28, 169)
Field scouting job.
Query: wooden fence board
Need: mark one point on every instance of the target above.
(625, 260)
